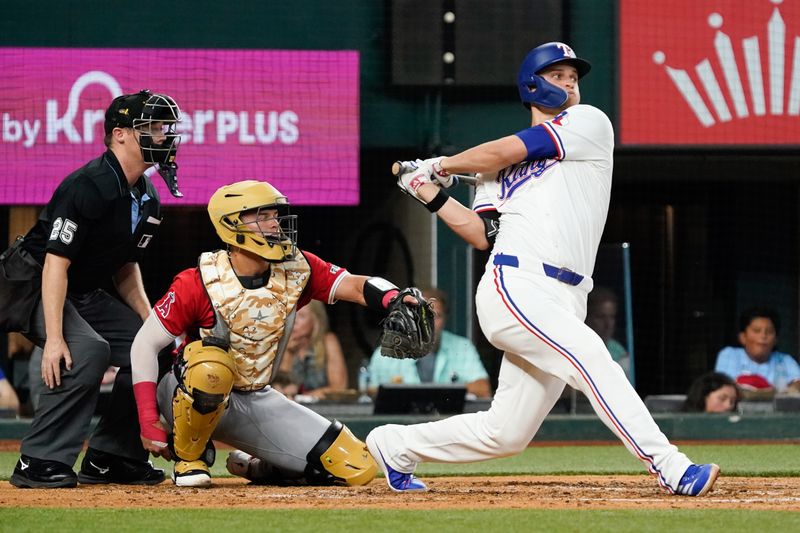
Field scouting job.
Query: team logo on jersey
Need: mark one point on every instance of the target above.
(511, 178)
(562, 119)
(165, 305)
(334, 269)
(740, 75)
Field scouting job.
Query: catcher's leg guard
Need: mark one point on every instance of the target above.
(205, 384)
(340, 454)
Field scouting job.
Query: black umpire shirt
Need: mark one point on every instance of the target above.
(97, 222)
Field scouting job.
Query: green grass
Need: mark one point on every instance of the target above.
(734, 459)
(397, 521)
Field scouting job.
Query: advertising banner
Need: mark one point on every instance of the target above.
(288, 117)
(718, 72)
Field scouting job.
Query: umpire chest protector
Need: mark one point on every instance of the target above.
(256, 318)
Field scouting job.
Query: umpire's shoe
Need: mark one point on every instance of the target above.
(191, 474)
(101, 467)
(32, 473)
(397, 481)
(698, 480)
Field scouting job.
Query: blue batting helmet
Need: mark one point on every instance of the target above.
(533, 88)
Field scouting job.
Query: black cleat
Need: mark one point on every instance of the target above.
(101, 468)
(32, 473)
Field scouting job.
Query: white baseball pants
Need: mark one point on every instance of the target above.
(538, 322)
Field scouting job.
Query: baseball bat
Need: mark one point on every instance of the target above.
(398, 168)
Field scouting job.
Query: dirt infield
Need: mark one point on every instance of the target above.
(519, 492)
(513, 492)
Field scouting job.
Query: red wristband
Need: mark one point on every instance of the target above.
(147, 405)
(146, 402)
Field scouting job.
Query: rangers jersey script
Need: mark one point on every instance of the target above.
(559, 197)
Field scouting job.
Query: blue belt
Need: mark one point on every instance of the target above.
(564, 275)
(506, 260)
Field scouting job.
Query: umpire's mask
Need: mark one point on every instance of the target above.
(144, 111)
(161, 112)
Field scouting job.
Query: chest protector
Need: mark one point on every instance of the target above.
(255, 318)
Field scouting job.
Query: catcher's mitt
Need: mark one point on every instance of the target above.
(408, 329)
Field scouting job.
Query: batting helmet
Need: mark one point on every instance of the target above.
(230, 203)
(533, 88)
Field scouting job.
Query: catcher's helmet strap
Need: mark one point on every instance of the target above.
(378, 292)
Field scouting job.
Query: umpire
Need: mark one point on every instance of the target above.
(95, 228)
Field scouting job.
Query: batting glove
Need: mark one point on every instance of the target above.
(410, 182)
(439, 175)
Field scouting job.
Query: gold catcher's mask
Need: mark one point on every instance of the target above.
(254, 215)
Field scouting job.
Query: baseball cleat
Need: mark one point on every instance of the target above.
(397, 481)
(698, 480)
(32, 473)
(191, 474)
(100, 468)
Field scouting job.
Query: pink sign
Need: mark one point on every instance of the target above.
(284, 116)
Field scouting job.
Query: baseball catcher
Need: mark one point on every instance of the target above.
(236, 310)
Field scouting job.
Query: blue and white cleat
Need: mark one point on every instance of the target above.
(397, 481)
(698, 480)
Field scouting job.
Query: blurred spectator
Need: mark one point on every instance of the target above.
(283, 383)
(313, 358)
(8, 397)
(756, 364)
(712, 393)
(454, 359)
(601, 316)
(19, 352)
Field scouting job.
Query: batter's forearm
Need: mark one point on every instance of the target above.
(466, 223)
(491, 156)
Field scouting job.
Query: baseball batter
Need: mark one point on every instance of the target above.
(541, 208)
(240, 304)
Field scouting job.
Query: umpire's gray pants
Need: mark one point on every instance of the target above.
(99, 330)
(263, 423)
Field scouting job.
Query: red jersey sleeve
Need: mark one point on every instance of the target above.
(186, 305)
(325, 277)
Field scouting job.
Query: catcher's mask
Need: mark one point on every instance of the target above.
(151, 115)
(254, 215)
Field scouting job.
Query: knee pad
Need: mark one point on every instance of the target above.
(340, 454)
(205, 381)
